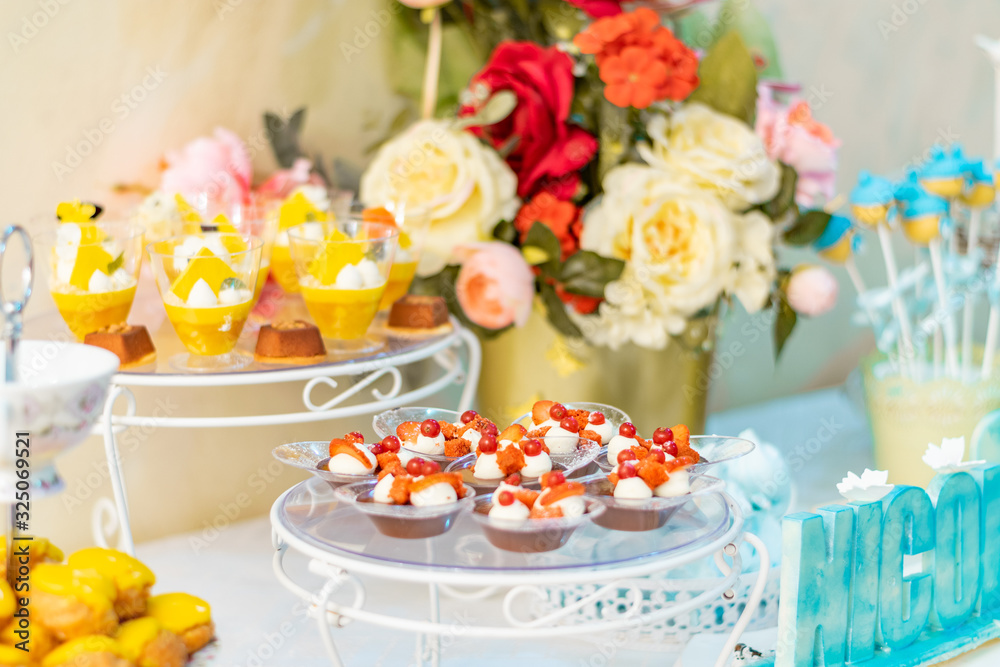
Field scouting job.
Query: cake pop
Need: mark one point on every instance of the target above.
(942, 175)
(871, 199)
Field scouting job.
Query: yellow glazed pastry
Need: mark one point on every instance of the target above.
(8, 602)
(146, 643)
(40, 642)
(89, 651)
(40, 550)
(15, 657)
(187, 616)
(132, 579)
(72, 603)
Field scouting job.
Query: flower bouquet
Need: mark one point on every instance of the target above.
(629, 168)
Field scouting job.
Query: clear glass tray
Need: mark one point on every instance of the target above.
(310, 512)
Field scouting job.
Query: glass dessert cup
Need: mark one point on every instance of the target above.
(314, 456)
(94, 270)
(385, 423)
(294, 210)
(343, 268)
(613, 415)
(531, 535)
(648, 513)
(412, 222)
(406, 522)
(713, 449)
(205, 281)
(572, 464)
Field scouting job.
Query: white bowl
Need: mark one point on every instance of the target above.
(58, 397)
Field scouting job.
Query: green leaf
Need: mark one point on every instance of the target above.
(785, 199)
(784, 323)
(498, 107)
(232, 283)
(587, 273)
(728, 79)
(284, 136)
(506, 232)
(809, 227)
(117, 263)
(543, 238)
(557, 312)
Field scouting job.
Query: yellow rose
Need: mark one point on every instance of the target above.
(465, 184)
(715, 152)
(683, 250)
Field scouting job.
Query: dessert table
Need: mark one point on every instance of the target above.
(261, 623)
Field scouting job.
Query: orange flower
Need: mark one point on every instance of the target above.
(641, 61)
(562, 217)
(634, 78)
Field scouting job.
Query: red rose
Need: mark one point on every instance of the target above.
(598, 8)
(545, 151)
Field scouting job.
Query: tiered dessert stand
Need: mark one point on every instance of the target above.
(600, 582)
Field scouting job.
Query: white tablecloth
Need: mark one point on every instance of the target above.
(260, 623)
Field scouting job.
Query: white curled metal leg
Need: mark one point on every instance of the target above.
(102, 519)
(325, 630)
(472, 372)
(475, 594)
(753, 602)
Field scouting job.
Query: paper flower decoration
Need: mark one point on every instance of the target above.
(948, 457)
(869, 487)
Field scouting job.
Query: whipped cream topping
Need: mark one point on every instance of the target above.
(202, 296)
(536, 466)
(380, 493)
(486, 467)
(472, 436)
(605, 430)
(101, 282)
(678, 485)
(633, 488)
(426, 445)
(363, 275)
(441, 493)
(572, 506)
(617, 445)
(515, 512)
(561, 446)
(345, 464)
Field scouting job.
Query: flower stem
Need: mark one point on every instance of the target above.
(433, 70)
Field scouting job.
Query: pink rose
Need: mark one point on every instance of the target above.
(424, 4)
(217, 167)
(811, 290)
(793, 136)
(495, 286)
(282, 182)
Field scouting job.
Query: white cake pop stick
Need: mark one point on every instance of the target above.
(969, 309)
(992, 326)
(892, 276)
(992, 49)
(947, 321)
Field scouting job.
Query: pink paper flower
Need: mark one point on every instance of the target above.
(812, 290)
(217, 168)
(793, 136)
(495, 286)
(282, 182)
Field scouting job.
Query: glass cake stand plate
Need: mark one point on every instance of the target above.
(308, 513)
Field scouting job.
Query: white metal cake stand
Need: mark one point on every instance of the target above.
(354, 378)
(617, 569)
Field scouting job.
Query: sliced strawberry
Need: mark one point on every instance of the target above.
(452, 478)
(540, 411)
(565, 490)
(526, 496)
(544, 512)
(514, 433)
(408, 431)
(682, 436)
(341, 446)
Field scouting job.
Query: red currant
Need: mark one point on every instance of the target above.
(554, 478)
(514, 479)
(430, 428)
(415, 466)
(597, 418)
(570, 424)
(430, 468)
(488, 444)
(532, 447)
(468, 416)
(626, 430)
(557, 411)
(662, 436)
(626, 455)
(356, 436)
(626, 471)
(671, 448)
(657, 455)
(505, 498)
(491, 429)
(391, 443)
(377, 448)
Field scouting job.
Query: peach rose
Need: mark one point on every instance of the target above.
(424, 4)
(811, 290)
(495, 286)
(217, 166)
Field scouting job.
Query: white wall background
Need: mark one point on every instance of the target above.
(65, 66)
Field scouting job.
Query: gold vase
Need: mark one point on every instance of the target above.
(655, 387)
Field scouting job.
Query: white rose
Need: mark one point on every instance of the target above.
(684, 249)
(465, 183)
(715, 152)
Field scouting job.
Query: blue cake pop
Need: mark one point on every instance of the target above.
(871, 199)
(980, 190)
(943, 174)
(838, 241)
(921, 211)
